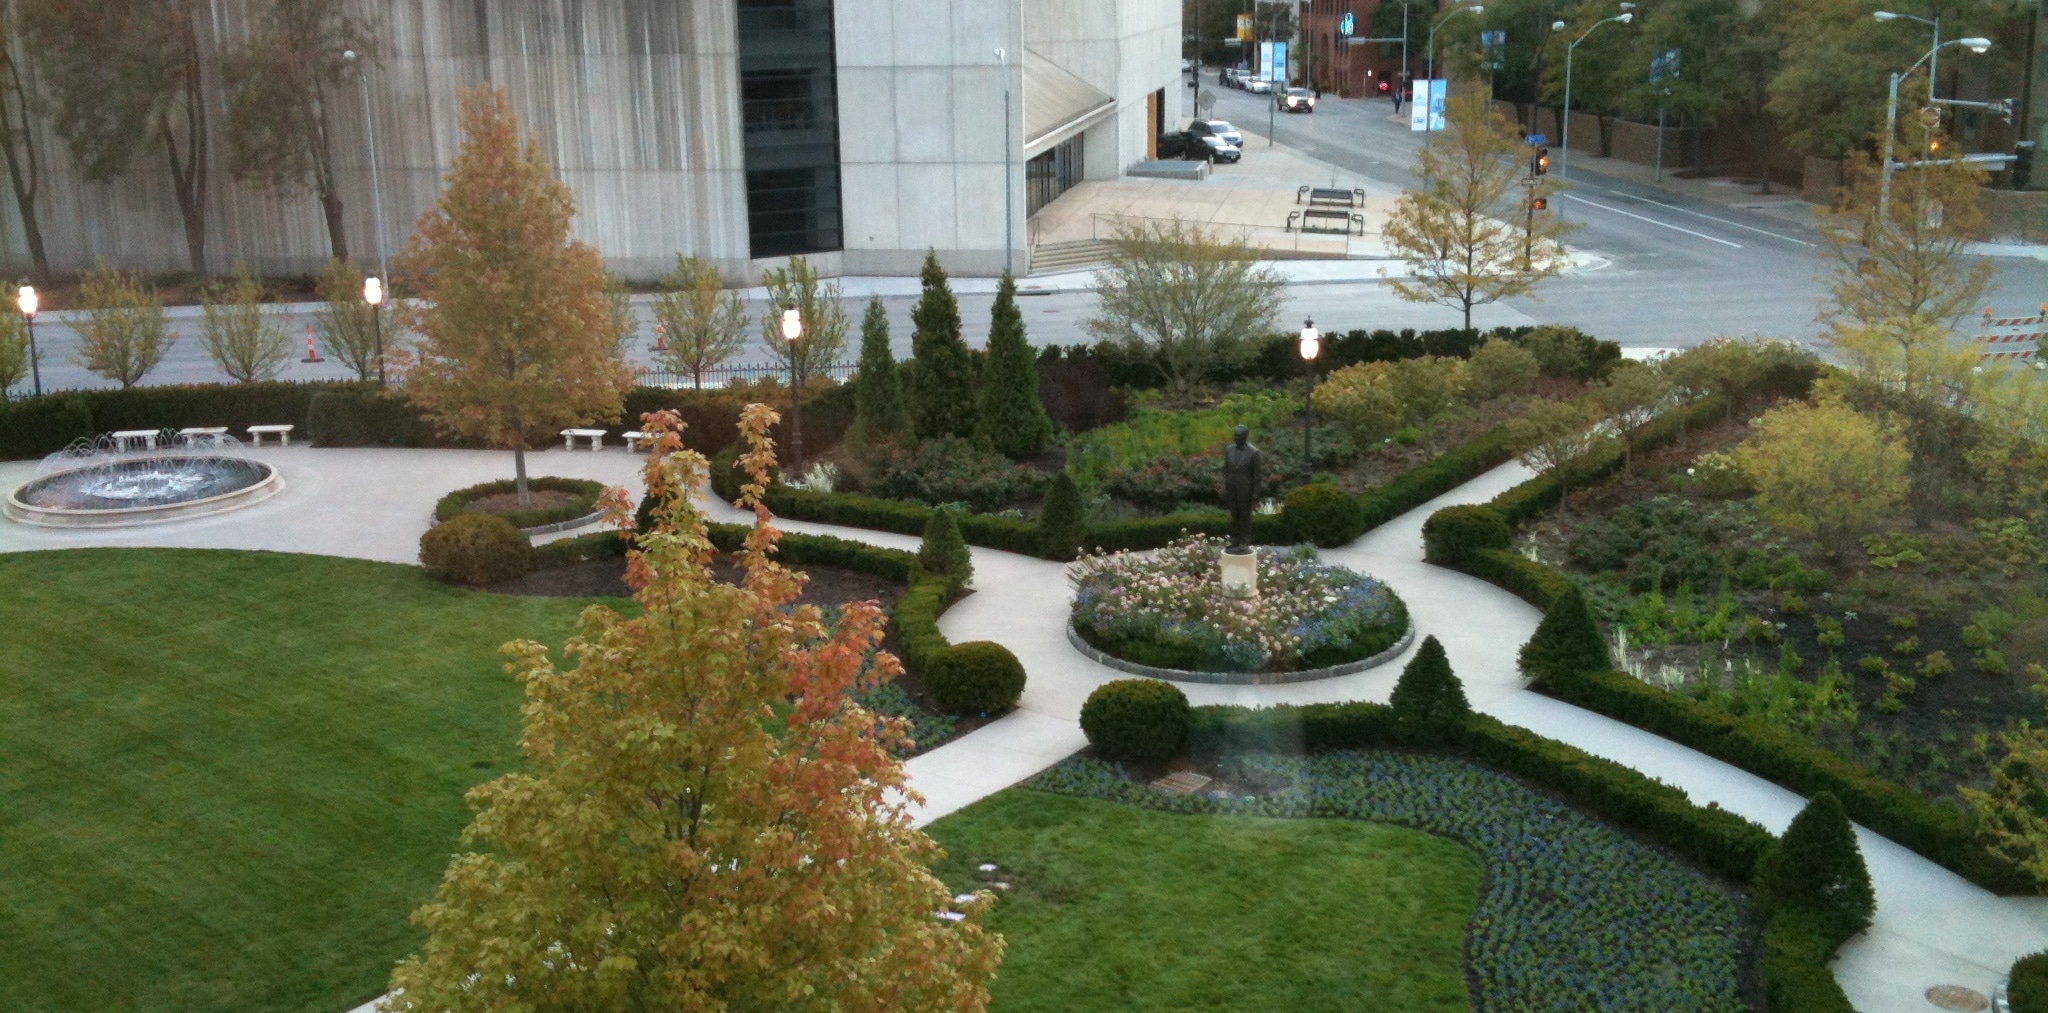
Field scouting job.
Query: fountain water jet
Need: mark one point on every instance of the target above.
(98, 483)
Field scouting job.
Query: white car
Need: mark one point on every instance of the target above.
(1296, 100)
(1258, 86)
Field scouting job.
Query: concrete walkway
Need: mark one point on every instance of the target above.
(1932, 927)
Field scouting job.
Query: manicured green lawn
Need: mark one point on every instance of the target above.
(1116, 908)
(226, 778)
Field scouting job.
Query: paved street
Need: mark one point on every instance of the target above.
(1672, 269)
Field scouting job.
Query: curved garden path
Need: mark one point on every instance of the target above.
(1932, 926)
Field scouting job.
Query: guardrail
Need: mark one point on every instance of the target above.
(725, 376)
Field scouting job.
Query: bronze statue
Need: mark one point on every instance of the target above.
(1240, 487)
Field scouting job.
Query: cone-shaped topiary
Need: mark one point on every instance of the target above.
(879, 411)
(1566, 643)
(1818, 867)
(1428, 699)
(944, 552)
(1062, 523)
(1009, 418)
(942, 391)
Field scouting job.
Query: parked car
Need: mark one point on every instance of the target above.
(1296, 100)
(1206, 146)
(1258, 85)
(1231, 77)
(1217, 128)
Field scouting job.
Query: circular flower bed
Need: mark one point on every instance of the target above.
(1168, 609)
(557, 500)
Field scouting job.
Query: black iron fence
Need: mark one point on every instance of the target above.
(725, 376)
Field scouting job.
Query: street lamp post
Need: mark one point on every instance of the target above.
(1891, 118)
(1565, 156)
(793, 332)
(1429, 75)
(373, 293)
(1009, 235)
(376, 187)
(1934, 64)
(26, 300)
(1311, 344)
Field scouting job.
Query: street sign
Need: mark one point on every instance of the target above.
(1664, 66)
(1493, 46)
(1206, 103)
(1345, 24)
(1536, 139)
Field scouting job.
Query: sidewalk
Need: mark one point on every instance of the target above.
(1932, 927)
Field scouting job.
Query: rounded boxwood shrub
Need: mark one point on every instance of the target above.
(476, 549)
(1322, 513)
(584, 495)
(1136, 719)
(2029, 989)
(1453, 532)
(977, 677)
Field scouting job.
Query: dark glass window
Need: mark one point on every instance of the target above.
(1052, 173)
(789, 108)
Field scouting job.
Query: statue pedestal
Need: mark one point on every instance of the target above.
(1241, 572)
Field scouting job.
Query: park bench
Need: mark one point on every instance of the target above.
(1331, 220)
(633, 438)
(570, 436)
(200, 434)
(1323, 196)
(147, 437)
(282, 432)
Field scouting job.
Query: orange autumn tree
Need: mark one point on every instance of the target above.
(517, 329)
(707, 821)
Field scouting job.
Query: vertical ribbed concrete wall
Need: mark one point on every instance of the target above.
(636, 104)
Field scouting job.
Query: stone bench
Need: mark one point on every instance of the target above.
(570, 436)
(283, 434)
(200, 434)
(633, 438)
(147, 437)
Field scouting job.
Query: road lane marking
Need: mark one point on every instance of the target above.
(1712, 218)
(1652, 221)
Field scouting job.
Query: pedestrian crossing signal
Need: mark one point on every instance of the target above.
(1540, 165)
(1539, 203)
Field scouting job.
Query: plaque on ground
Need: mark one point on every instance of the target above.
(1181, 782)
(1956, 997)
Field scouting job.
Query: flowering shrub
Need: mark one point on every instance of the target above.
(1169, 609)
(1574, 914)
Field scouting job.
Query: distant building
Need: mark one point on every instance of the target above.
(1341, 68)
(856, 132)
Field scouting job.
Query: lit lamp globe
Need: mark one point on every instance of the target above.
(28, 300)
(1311, 341)
(373, 290)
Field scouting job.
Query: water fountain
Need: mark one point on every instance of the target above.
(96, 483)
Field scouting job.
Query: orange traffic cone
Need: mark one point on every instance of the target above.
(660, 338)
(312, 354)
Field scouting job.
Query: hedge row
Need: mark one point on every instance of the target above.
(1368, 510)
(1474, 539)
(336, 414)
(1714, 838)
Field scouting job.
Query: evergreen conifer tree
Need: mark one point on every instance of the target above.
(1818, 867)
(1428, 699)
(879, 414)
(1567, 642)
(1009, 418)
(944, 552)
(1062, 522)
(943, 385)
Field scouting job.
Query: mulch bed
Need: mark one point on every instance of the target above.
(508, 502)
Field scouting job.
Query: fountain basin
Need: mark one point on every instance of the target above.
(142, 490)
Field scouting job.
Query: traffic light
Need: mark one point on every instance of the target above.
(1539, 203)
(1540, 165)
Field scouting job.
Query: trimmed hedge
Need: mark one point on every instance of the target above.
(1136, 719)
(1458, 531)
(978, 677)
(1321, 513)
(1716, 839)
(585, 491)
(2029, 988)
(476, 549)
(1797, 947)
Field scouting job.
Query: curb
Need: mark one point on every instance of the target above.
(1241, 678)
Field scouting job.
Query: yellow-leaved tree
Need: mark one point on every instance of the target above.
(1824, 470)
(707, 819)
(517, 333)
